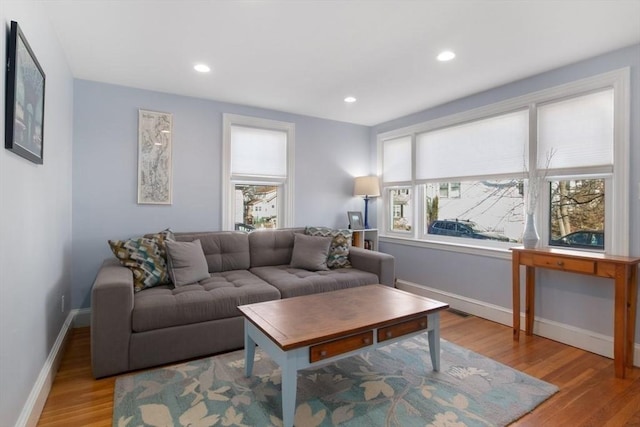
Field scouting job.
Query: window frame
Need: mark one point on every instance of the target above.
(229, 181)
(617, 185)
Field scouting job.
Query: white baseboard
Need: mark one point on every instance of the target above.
(567, 334)
(35, 402)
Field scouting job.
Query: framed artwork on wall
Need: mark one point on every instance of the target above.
(24, 99)
(355, 220)
(154, 158)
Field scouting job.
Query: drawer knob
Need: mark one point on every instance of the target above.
(366, 341)
(389, 334)
(423, 324)
(323, 353)
(560, 263)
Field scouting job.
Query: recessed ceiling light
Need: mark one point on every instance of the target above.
(446, 55)
(201, 68)
(350, 99)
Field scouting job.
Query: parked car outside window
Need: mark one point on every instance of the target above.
(590, 239)
(463, 228)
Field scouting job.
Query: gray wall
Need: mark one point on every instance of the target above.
(35, 221)
(575, 300)
(328, 155)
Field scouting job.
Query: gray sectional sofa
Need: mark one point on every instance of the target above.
(133, 330)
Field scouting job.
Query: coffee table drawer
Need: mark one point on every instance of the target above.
(340, 346)
(401, 329)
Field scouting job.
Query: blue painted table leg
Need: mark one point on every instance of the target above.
(289, 385)
(249, 352)
(434, 340)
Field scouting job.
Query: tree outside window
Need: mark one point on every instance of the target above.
(577, 212)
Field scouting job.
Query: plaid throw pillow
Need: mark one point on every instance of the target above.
(146, 257)
(340, 243)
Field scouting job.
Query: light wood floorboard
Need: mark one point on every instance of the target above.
(589, 395)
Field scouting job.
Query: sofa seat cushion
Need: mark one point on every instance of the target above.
(293, 282)
(214, 298)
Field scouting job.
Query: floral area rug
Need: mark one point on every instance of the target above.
(391, 386)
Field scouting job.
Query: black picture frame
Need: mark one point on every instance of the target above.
(24, 102)
(355, 220)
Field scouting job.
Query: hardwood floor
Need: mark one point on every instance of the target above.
(589, 395)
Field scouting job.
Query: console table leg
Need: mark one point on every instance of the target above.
(530, 299)
(434, 340)
(632, 300)
(515, 274)
(620, 317)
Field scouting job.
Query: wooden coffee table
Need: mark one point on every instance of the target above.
(310, 330)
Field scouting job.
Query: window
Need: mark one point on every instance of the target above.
(493, 207)
(465, 175)
(488, 149)
(577, 213)
(444, 190)
(454, 190)
(401, 209)
(581, 132)
(256, 206)
(258, 161)
(449, 190)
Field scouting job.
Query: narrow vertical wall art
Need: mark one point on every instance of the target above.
(154, 157)
(24, 103)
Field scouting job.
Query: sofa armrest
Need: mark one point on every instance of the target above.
(381, 264)
(111, 311)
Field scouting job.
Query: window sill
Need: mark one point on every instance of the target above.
(502, 252)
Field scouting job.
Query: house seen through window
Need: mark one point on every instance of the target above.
(256, 206)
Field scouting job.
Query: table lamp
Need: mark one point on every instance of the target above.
(368, 187)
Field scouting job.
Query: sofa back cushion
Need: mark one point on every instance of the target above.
(224, 250)
(272, 247)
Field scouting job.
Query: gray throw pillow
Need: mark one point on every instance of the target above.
(310, 252)
(187, 263)
(339, 249)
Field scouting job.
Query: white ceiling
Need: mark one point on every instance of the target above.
(305, 56)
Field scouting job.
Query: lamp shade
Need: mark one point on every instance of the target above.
(366, 186)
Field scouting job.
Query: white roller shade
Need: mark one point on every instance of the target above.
(579, 130)
(397, 160)
(258, 152)
(490, 146)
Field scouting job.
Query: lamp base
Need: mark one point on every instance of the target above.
(366, 212)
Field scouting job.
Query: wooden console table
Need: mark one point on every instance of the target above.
(622, 269)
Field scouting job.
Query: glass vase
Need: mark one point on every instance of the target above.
(530, 235)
